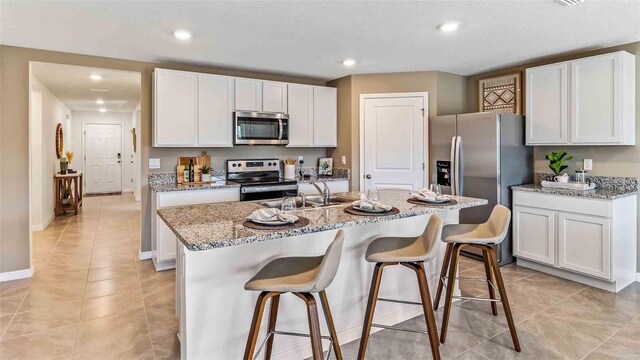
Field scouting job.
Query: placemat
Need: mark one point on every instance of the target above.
(302, 222)
(418, 202)
(354, 211)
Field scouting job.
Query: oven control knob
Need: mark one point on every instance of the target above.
(239, 165)
(269, 164)
(234, 165)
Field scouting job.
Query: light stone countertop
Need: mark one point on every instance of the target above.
(210, 226)
(598, 193)
(223, 184)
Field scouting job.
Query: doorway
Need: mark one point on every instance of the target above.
(393, 141)
(103, 158)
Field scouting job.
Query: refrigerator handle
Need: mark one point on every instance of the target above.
(452, 170)
(456, 162)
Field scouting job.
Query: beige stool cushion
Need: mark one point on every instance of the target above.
(407, 249)
(491, 232)
(300, 274)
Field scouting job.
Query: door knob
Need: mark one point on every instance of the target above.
(368, 176)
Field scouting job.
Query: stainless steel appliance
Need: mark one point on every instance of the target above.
(260, 179)
(259, 128)
(481, 155)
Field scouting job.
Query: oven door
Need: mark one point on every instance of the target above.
(265, 192)
(255, 128)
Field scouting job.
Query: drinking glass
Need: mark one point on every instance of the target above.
(436, 189)
(373, 195)
(288, 205)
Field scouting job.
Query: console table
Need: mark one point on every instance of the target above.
(73, 182)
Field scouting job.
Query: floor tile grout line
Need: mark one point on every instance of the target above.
(607, 339)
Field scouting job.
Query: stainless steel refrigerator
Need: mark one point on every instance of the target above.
(481, 155)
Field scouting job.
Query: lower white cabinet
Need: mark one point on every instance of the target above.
(163, 240)
(591, 241)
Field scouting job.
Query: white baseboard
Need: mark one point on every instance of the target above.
(41, 227)
(638, 277)
(16, 275)
(145, 255)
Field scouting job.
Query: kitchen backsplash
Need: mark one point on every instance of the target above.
(602, 182)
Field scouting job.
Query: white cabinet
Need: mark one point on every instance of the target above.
(274, 97)
(175, 108)
(591, 241)
(547, 104)
(584, 244)
(215, 110)
(248, 94)
(534, 234)
(300, 99)
(163, 240)
(590, 99)
(336, 186)
(325, 124)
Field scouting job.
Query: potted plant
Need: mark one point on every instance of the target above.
(206, 173)
(557, 163)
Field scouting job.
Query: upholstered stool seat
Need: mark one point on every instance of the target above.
(410, 252)
(301, 276)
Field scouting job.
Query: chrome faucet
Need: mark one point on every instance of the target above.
(304, 199)
(326, 193)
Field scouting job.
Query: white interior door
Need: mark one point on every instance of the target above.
(103, 153)
(393, 133)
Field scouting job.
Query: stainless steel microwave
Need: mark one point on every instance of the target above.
(259, 128)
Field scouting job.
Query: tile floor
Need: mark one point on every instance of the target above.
(91, 298)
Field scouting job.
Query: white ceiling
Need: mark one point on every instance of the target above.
(311, 38)
(72, 85)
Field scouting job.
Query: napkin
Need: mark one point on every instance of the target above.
(430, 195)
(365, 203)
(267, 215)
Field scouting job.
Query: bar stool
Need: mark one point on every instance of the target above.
(301, 276)
(410, 252)
(480, 236)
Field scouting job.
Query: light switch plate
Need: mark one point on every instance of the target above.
(154, 163)
(587, 164)
(344, 160)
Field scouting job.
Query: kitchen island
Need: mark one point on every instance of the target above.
(217, 255)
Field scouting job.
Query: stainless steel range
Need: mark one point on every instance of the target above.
(260, 179)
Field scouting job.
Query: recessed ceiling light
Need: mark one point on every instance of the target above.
(102, 110)
(348, 62)
(569, 2)
(95, 77)
(99, 102)
(449, 26)
(182, 34)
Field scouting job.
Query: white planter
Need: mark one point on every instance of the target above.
(206, 177)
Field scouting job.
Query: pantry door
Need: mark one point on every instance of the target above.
(103, 158)
(393, 145)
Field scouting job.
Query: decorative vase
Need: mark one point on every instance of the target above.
(206, 177)
(64, 165)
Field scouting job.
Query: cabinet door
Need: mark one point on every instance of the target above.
(215, 110)
(248, 95)
(595, 99)
(274, 97)
(175, 101)
(300, 115)
(534, 234)
(166, 242)
(547, 104)
(584, 244)
(325, 116)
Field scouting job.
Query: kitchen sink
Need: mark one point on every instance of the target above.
(312, 202)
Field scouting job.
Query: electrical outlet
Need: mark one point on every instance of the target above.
(344, 160)
(587, 164)
(300, 160)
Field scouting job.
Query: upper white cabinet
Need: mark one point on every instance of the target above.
(325, 124)
(215, 110)
(248, 94)
(589, 101)
(300, 115)
(274, 97)
(175, 108)
(547, 104)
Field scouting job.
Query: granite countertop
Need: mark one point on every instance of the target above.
(223, 184)
(323, 178)
(209, 226)
(598, 193)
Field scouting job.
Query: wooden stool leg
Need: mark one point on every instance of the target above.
(503, 297)
(371, 306)
(314, 324)
(273, 315)
(255, 324)
(429, 316)
(443, 273)
(332, 328)
(488, 272)
(453, 271)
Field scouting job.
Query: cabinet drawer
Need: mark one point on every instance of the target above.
(585, 206)
(193, 197)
